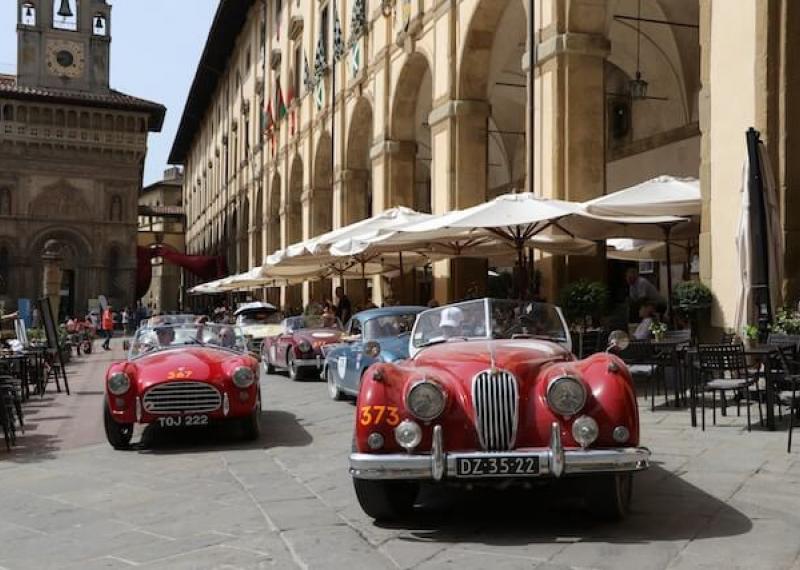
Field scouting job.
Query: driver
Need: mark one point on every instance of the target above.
(227, 338)
(450, 321)
(165, 335)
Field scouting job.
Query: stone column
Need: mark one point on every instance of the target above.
(570, 120)
(51, 274)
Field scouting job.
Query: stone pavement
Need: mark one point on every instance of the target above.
(202, 499)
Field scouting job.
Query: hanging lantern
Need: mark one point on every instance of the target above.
(65, 11)
(638, 87)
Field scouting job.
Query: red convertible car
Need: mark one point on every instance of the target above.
(299, 346)
(182, 375)
(492, 395)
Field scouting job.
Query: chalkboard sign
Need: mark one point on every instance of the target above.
(53, 348)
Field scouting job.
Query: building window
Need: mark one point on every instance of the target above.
(298, 67)
(246, 137)
(65, 15)
(324, 23)
(115, 211)
(247, 63)
(5, 270)
(8, 113)
(27, 15)
(5, 202)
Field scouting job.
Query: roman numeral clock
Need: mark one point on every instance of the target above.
(65, 58)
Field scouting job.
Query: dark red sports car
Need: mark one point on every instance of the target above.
(298, 348)
(492, 395)
(183, 375)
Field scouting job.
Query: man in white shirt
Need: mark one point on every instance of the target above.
(641, 290)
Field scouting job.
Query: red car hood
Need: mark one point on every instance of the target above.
(462, 360)
(186, 363)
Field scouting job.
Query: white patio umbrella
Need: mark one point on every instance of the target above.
(625, 249)
(661, 196)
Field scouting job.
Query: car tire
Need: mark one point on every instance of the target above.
(251, 425)
(386, 500)
(333, 388)
(291, 367)
(609, 495)
(118, 435)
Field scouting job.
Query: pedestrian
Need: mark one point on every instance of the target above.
(36, 318)
(107, 323)
(124, 318)
(641, 292)
(344, 309)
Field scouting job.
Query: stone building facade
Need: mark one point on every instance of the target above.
(431, 107)
(72, 152)
(162, 221)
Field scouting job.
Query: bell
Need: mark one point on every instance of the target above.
(28, 11)
(98, 23)
(64, 10)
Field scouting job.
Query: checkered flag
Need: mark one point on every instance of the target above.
(320, 58)
(338, 40)
(358, 22)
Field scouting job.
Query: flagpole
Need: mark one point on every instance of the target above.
(333, 97)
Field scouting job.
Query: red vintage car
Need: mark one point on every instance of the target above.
(182, 375)
(492, 395)
(299, 346)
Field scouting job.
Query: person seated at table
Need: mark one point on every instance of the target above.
(648, 316)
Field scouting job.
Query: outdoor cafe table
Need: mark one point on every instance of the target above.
(762, 354)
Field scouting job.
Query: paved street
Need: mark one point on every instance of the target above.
(723, 498)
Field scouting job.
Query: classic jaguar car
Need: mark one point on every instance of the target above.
(493, 395)
(299, 345)
(182, 375)
(374, 335)
(258, 320)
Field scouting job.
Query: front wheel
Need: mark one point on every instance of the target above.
(609, 495)
(333, 388)
(251, 425)
(386, 500)
(118, 435)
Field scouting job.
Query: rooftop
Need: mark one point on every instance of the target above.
(110, 100)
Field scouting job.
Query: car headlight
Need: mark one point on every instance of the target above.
(408, 434)
(426, 400)
(585, 431)
(566, 395)
(243, 377)
(119, 383)
(304, 346)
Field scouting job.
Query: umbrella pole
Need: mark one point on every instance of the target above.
(521, 263)
(667, 231)
(364, 281)
(402, 279)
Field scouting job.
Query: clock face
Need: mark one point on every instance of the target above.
(65, 58)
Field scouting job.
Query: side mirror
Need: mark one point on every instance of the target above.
(372, 349)
(126, 345)
(618, 340)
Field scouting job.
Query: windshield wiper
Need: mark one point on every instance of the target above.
(440, 340)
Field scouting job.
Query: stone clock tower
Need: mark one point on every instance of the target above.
(66, 44)
(72, 153)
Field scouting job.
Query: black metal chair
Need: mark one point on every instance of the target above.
(643, 360)
(787, 383)
(723, 368)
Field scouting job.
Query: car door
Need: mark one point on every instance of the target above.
(281, 343)
(355, 353)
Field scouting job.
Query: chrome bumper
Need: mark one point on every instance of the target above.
(554, 461)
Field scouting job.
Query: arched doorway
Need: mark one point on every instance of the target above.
(243, 238)
(82, 277)
(409, 174)
(357, 196)
(274, 217)
(321, 207)
(258, 226)
(294, 228)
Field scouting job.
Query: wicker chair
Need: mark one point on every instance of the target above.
(723, 367)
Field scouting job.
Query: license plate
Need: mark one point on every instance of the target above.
(499, 466)
(186, 421)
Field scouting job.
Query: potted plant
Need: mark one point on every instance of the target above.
(750, 335)
(690, 299)
(786, 321)
(658, 329)
(583, 303)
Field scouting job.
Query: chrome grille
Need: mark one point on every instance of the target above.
(496, 399)
(182, 397)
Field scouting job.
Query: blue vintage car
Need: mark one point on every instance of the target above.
(388, 327)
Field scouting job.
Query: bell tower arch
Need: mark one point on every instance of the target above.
(64, 44)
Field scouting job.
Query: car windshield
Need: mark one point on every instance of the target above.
(389, 326)
(313, 322)
(164, 337)
(260, 317)
(490, 319)
(168, 320)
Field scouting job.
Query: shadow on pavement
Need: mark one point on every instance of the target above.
(278, 429)
(664, 508)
